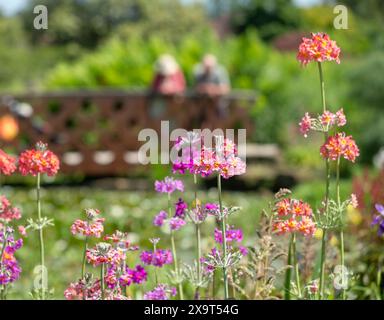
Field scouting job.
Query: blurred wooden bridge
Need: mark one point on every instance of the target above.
(95, 132)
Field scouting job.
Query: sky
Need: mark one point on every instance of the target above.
(11, 6)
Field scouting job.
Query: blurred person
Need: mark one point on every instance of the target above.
(168, 79)
(211, 78)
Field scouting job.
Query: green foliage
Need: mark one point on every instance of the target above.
(91, 21)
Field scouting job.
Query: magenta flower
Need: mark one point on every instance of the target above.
(158, 221)
(169, 185)
(161, 292)
(176, 223)
(180, 207)
(158, 258)
(231, 235)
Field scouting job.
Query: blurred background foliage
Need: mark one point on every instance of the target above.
(95, 43)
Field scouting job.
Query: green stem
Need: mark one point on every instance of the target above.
(102, 282)
(223, 231)
(84, 257)
(342, 259)
(41, 238)
(296, 264)
(154, 267)
(288, 273)
(198, 240)
(174, 253)
(322, 265)
(327, 184)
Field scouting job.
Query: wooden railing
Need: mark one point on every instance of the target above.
(95, 132)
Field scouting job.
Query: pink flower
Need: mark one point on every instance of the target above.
(338, 146)
(104, 253)
(161, 292)
(169, 185)
(158, 221)
(318, 48)
(92, 227)
(231, 235)
(158, 258)
(176, 223)
(341, 120)
(22, 230)
(327, 118)
(7, 212)
(7, 163)
(353, 201)
(39, 160)
(305, 124)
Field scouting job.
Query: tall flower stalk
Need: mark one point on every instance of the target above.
(174, 252)
(44, 280)
(296, 265)
(36, 162)
(320, 48)
(327, 184)
(224, 232)
(342, 260)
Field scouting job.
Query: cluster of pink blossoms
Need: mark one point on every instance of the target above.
(318, 48)
(7, 212)
(117, 277)
(104, 253)
(7, 163)
(161, 292)
(169, 185)
(39, 160)
(323, 122)
(204, 161)
(293, 216)
(157, 258)
(92, 227)
(91, 291)
(231, 235)
(340, 145)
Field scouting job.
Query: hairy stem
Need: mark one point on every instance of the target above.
(223, 231)
(296, 265)
(41, 239)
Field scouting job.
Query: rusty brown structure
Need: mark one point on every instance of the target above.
(95, 132)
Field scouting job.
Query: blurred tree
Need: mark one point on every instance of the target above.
(269, 17)
(87, 22)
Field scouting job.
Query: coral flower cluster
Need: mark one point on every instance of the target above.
(38, 161)
(318, 48)
(92, 227)
(293, 216)
(104, 253)
(340, 145)
(7, 163)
